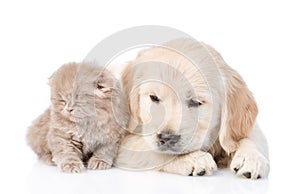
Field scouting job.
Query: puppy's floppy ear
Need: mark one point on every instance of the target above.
(128, 78)
(132, 95)
(239, 112)
(135, 105)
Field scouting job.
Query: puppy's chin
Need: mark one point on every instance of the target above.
(169, 151)
(176, 151)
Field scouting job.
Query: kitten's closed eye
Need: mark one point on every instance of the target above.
(60, 101)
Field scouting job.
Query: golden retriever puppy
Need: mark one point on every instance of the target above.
(189, 113)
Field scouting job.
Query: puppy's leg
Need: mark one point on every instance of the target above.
(251, 158)
(197, 163)
(66, 151)
(103, 157)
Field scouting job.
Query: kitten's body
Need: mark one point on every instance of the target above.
(82, 124)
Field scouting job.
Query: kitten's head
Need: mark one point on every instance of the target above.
(76, 88)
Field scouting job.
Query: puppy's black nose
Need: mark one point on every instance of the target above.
(167, 139)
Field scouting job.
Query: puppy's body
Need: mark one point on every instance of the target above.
(191, 107)
(80, 126)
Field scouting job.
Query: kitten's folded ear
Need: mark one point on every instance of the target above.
(50, 79)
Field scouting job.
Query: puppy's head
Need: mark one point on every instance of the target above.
(170, 100)
(185, 97)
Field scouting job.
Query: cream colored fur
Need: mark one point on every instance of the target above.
(222, 130)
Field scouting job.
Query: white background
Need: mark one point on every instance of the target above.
(260, 39)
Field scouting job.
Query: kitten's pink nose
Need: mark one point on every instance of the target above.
(70, 110)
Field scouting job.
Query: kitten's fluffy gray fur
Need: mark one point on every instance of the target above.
(85, 122)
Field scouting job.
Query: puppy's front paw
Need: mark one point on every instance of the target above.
(72, 166)
(250, 163)
(197, 163)
(98, 164)
(202, 164)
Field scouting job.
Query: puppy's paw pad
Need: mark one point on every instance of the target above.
(250, 164)
(202, 173)
(247, 175)
(235, 170)
(98, 164)
(72, 167)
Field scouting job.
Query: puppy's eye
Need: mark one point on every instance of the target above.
(154, 98)
(194, 103)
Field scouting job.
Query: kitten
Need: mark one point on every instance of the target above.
(87, 118)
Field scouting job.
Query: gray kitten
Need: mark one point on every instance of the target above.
(87, 118)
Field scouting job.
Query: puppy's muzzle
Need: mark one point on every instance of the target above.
(167, 140)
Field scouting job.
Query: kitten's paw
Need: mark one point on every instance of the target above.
(47, 159)
(250, 163)
(98, 164)
(74, 166)
(197, 163)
